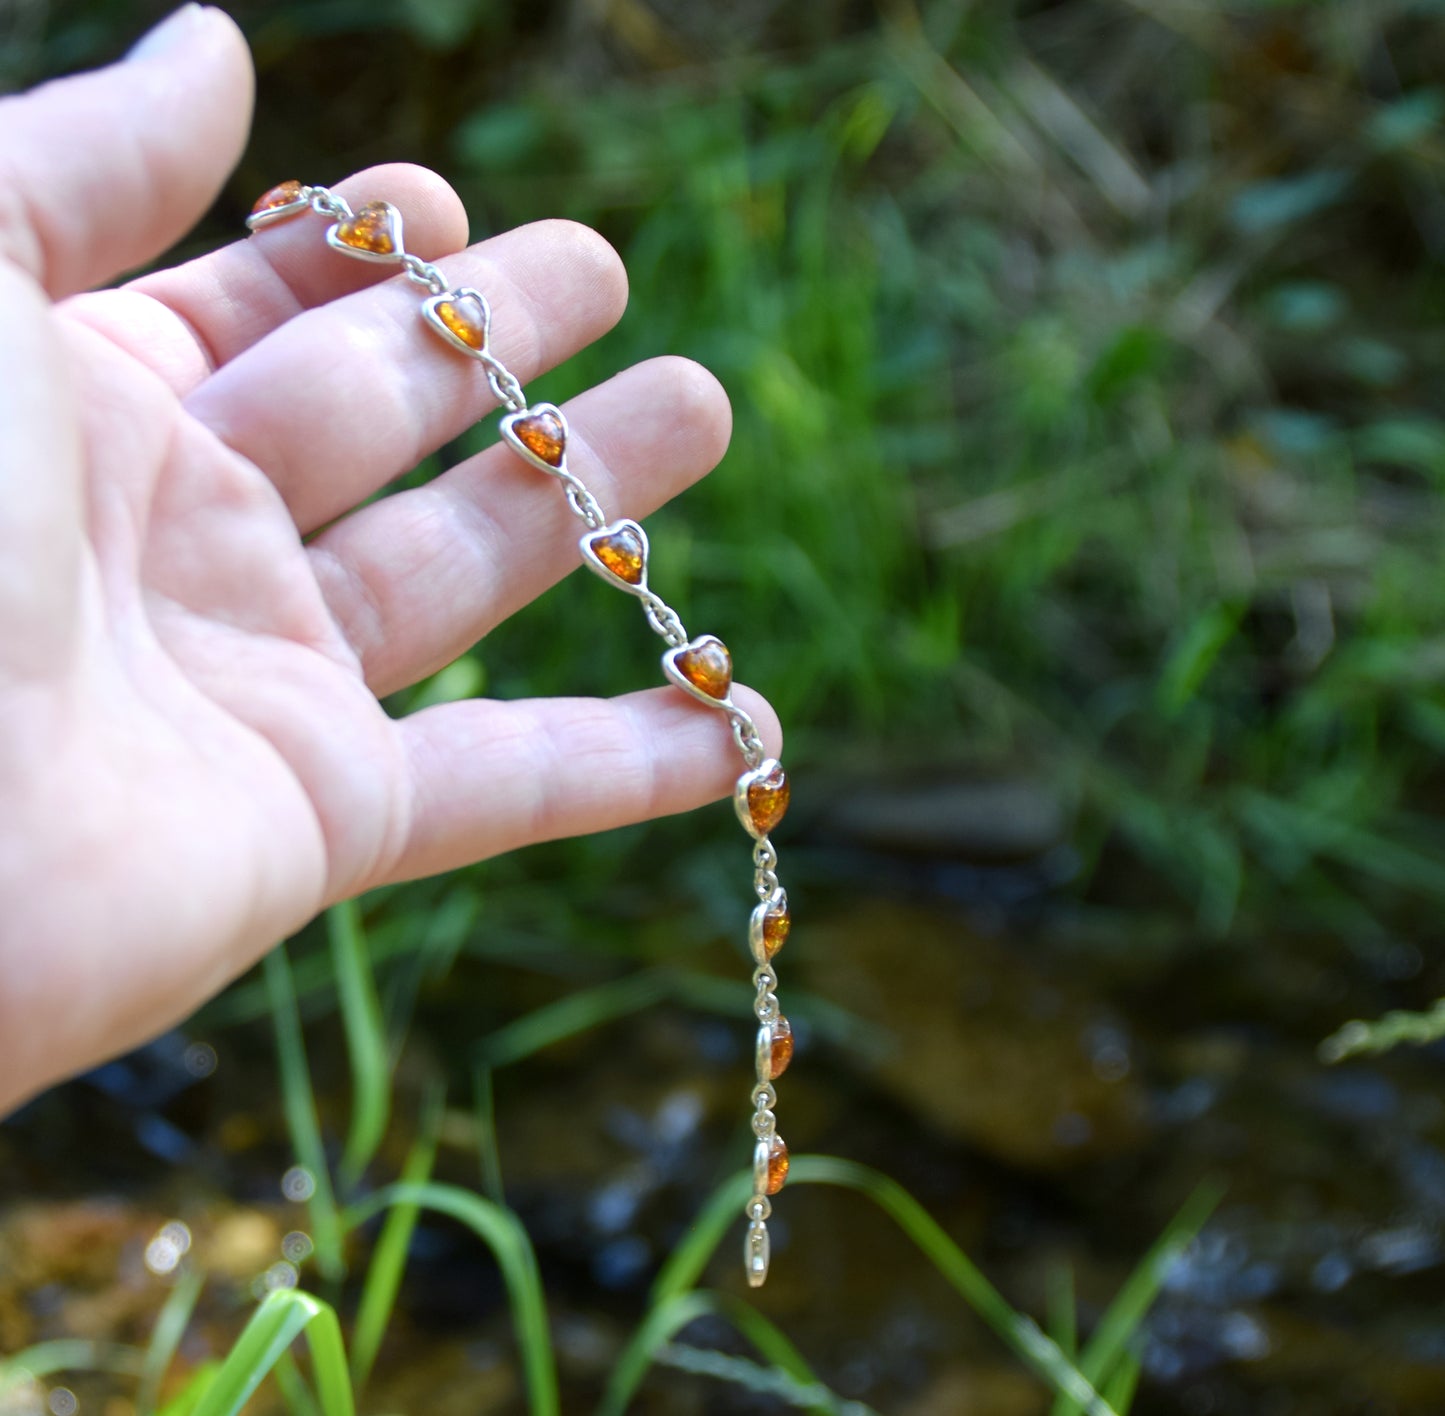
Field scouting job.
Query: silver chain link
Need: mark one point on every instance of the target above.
(424, 273)
(582, 502)
(506, 387)
(765, 874)
(325, 202)
(747, 737)
(662, 619)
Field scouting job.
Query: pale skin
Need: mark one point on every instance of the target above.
(196, 621)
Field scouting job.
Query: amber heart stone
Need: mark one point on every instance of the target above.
(777, 925)
(768, 799)
(284, 194)
(543, 435)
(374, 229)
(777, 1165)
(708, 667)
(465, 318)
(780, 1053)
(622, 552)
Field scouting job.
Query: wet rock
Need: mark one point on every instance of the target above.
(985, 1047)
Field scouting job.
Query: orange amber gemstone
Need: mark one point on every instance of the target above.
(543, 435)
(707, 666)
(776, 926)
(768, 800)
(465, 320)
(781, 1053)
(777, 1165)
(621, 553)
(283, 194)
(373, 229)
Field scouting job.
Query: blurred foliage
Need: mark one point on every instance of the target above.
(1085, 423)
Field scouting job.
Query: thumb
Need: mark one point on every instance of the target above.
(102, 171)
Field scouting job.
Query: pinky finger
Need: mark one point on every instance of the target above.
(488, 776)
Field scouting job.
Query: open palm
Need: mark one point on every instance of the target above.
(193, 759)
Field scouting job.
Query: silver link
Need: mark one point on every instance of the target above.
(662, 620)
(506, 388)
(325, 202)
(765, 876)
(745, 734)
(583, 502)
(765, 1124)
(424, 273)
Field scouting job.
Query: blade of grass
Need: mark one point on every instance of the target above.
(184, 1402)
(274, 1326)
(294, 1388)
(665, 1316)
(668, 1318)
(44, 1359)
(502, 1232)
(1124, 1383)
(484, 1103)
(1019, 1332)
(765, 1381)
(1062, 1318)
(388, 1258)
(1109, 1343)
(166, 1336)
(573, 1014)
(299, 1101)
(366, 1043)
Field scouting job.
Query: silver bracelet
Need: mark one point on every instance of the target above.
(617, 551)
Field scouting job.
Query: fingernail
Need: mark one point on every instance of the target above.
(174, 30)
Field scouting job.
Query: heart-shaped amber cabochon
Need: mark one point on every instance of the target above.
(762, 797)
(462, 317)
(373, 232)
(703, 667)
(539, 433)
(775, 1047)
(769, 928)
(618, 553)
(284, 199)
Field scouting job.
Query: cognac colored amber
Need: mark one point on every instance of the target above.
(373, 229)
(777, 1164)
(621, 553)
(768, 800)
(708, 667)
(776, 926)
(781, 1052)
(464, 320)
(283, 194)
(543, 435)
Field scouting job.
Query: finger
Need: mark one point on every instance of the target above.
(104, 170)
(339, 401)
(187, 321)
(41, 507)
(488, 777)
(414, 579)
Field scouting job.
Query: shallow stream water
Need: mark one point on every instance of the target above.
(1050, 1093)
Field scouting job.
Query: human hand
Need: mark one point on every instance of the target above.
(193, 760)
